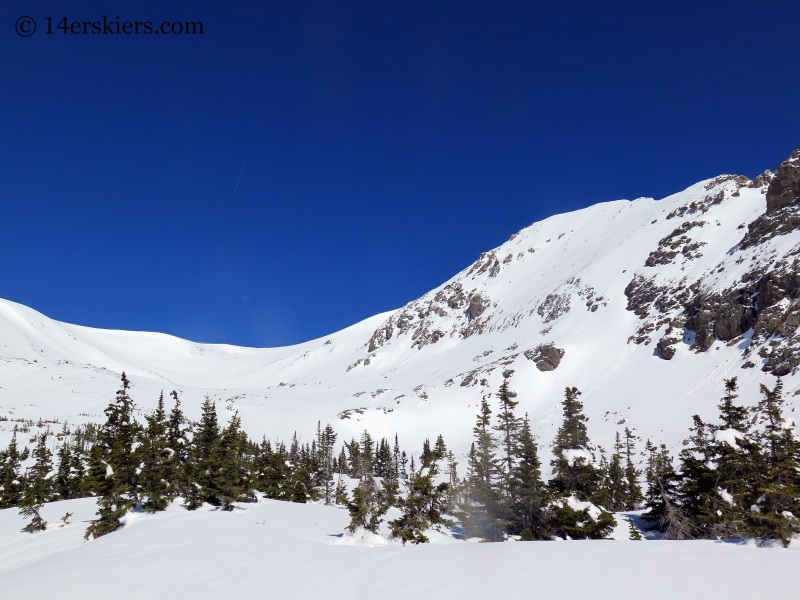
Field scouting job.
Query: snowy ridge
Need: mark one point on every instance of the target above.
(579, 299)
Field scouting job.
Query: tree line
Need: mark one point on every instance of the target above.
(739, 477)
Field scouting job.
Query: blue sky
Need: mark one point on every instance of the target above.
(381, 146)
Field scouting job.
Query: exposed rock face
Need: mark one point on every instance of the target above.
(783, 206)
(666, 347)
(785, 187)
(546, 356)
(675, 242)
(765, 301)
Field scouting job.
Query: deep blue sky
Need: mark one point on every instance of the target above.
(384, 146)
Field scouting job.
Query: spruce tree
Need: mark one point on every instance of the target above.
(632, 490)
(64, 485)
(177, 450)
(367, 506)
(507, 428)
(10, 477)
(439, 449)
(633, 531)
(772, 516)
(38, 486)
(573, 471)
(326, 441)
(481, 511)
(662, 501)
(155, 455)
(615, 478)
(698, 496)
(421, 508)
(529, 496)
(201, 467)
(230, 476)
(118, 488)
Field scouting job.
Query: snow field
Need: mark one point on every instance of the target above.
(283, 550)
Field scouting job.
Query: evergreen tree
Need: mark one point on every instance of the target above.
(736, 455)
(439, 449)
(10, 477)
(67, 483)
(426, 458)
(118, 487)
(633, 531)
(230, 476)
(326, 440)
(698, 495)
(271, 474)
(481, 512)
(367, 506)
(529, 495)
(507, 428)
(573, 471)
(38, 486)
(155, 455)
(772, 516)
(201, 468)
(615, 478)
(569, 521)
(178, 451)
(421, 508)
(632, 490)
(662, 502)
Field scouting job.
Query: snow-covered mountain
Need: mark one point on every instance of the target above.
(645, 305)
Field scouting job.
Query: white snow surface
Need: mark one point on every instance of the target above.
(573, 454)
(728, 436)
(53, 370)
(283, 550)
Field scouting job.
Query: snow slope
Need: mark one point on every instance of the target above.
(423, 369)
(284, 550)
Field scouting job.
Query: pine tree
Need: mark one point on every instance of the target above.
(38, 486)
(633, 531)
(118, 488)
(573, 471)
(698, 496)
(10, 477)
(632, 490)
(736, 454)
(615, 478)
(367, 506)
(326, 440)
(529, 495)
(481, 511)
(271, 473)
(67, 483)
(422, 507)
(230, 476)
(177, 450)
(426, 457)
(201, 466)
(155, 455)
(439, 449)
(772, 516)
(507, 428)
(662, 503)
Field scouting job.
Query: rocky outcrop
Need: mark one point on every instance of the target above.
(546, 356)
(784, 190)
(675, 242)
(783, 205)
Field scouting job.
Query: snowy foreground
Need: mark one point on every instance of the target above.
(282, 550)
